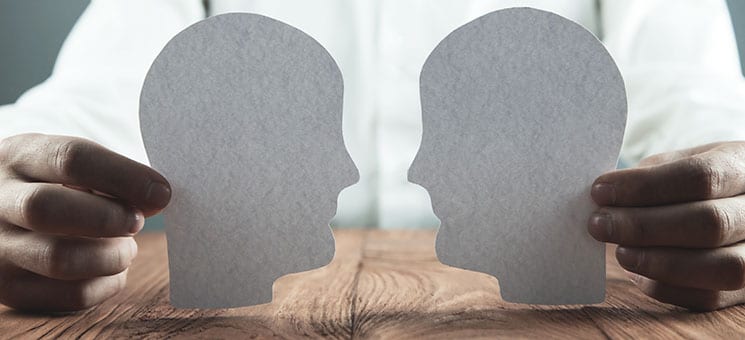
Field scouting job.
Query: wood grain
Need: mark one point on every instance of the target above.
(381, 284)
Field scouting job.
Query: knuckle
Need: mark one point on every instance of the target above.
(126, 254)
(734, 271)
(706, 178)
(15, 151)
(660, 266)
(117, 257)
(11, 141)
(59, 259)
(79, 297)
(6, 234)
(69, 156)
(637, 231)
(32, 205)
(87, 294)
(629, 227)
(87, 260)
(111, 219)
(6, 149)
(8, 145)
(718, 224)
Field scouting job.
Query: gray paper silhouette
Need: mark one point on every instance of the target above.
(522, 109)
(243, 115)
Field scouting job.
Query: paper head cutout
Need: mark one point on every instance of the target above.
(243, 115)
(522, 109)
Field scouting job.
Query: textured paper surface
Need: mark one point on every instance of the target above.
(522, 109)
(243, 115)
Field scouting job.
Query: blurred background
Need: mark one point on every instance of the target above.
(737, 10)
(32, 31)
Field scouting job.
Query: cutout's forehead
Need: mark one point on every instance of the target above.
(506, 82)
(250, 84)
(239, 66)
(524, 60)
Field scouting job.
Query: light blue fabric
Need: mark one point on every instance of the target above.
(622, 164)
(155, 223)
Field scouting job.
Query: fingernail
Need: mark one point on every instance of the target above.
(138, 223)
(158, 194)
(628, 258)
(604, 194)
(601, 226)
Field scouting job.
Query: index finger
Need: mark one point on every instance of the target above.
(83, 163)
(717, 173)
(670, 156)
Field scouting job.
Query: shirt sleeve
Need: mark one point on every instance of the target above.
(681, 67)
(93, 91)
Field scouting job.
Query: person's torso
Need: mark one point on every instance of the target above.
(381, 46)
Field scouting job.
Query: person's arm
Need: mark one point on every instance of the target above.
(94, 89)
(68, 210)
(680, 63)
(68, 206)
(678, 216)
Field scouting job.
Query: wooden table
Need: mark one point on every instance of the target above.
(381, 284)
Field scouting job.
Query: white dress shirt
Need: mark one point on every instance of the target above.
(678, 58)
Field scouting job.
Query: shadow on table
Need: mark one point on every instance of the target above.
(549, 322)
(391, 323)
(221, 326)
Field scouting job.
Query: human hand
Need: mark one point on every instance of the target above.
(679, 221)
(68, 211)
